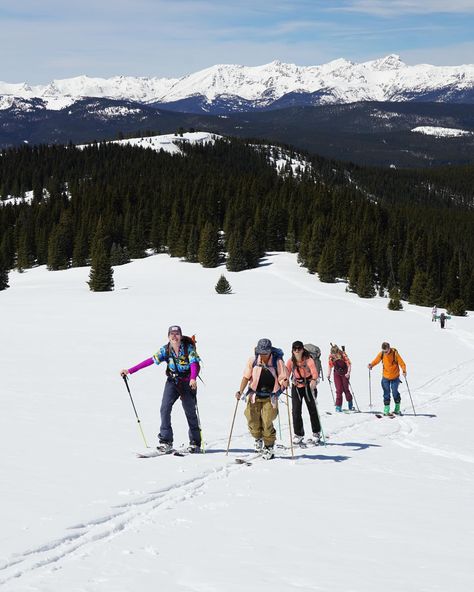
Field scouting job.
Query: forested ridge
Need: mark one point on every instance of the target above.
(380, 229)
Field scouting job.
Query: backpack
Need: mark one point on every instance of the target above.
(315, 353)
(277, 354)
(187, 342)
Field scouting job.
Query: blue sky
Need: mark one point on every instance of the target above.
(47, 39)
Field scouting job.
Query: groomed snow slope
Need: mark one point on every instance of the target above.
(385, 506)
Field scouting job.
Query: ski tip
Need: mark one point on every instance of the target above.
(242, 461)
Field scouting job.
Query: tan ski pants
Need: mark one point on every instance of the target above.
(260, 416)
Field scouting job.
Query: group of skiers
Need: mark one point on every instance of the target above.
(265, 378)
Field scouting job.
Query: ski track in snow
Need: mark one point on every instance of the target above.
(110, 525)
(399, 430)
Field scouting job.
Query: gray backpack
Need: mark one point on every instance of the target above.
(315, 353)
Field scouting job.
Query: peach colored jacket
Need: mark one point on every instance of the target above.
(252, 373)
(391, 362)
(304, 369)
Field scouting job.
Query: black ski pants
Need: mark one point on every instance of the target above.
(298, 395)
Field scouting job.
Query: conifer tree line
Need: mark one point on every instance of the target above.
(224, 203)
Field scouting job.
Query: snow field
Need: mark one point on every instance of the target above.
(80, 512)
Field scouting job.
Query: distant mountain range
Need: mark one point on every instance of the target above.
(232, 88)
(364, 113)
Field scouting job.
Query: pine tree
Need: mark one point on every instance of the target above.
(417, 290)
(118, 255)
(326, 268)
(236, 260)
(250, 248)
(59, 244)
(3, 278)
(353, 275)
(80, 251)
(457, 308)
(101, 273)
(24, 259)
(156, 239)
(394, 302)
(136, 243)
(223, 286)
(193, 245)
(315, 246)
(365, 284)
(451, 285)
(208, 254)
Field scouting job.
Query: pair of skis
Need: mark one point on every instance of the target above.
(153, 453)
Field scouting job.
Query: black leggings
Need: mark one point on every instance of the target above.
(297, 396)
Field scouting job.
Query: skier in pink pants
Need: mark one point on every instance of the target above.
(339, 361)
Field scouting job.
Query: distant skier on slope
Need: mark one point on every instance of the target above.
(339, 361)
(304, 378)
(442, 320)
(182, 370)
(265, 373)
(391, 361)
(434, 314)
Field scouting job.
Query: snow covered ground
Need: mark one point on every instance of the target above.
(441, 132)
(386, 505)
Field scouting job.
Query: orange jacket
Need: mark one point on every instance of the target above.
(392, 361)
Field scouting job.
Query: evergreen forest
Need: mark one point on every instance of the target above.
(409, 232)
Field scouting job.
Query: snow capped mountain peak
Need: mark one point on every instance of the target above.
(252, 87)
(390, 62)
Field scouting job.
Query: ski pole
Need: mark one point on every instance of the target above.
(289, 424)
(370, 391)
(410, 395)
(125, 379)
(203, 446)
(279, 426)
(317, 413)
(353, 395)
(332, 392)
(232, 426)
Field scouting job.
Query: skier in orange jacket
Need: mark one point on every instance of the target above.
(392, 361)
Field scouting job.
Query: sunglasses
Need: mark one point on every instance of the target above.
(297, 348)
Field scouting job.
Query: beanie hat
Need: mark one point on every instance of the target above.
(297, 344)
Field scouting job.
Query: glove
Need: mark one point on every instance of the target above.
(348, 375)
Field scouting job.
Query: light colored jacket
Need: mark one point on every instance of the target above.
(252, 373)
